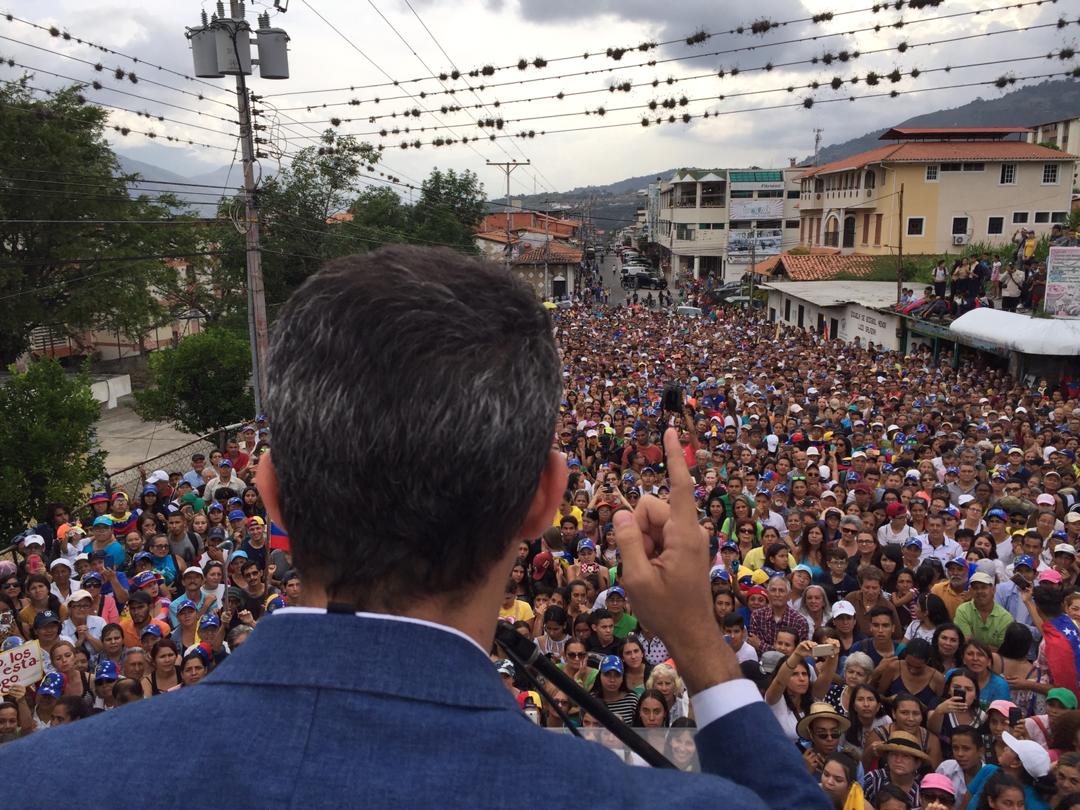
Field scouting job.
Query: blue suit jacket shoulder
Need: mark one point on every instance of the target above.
(332, 711)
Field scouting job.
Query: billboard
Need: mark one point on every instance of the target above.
(1063, 283)
(769, 208)
(756, 243)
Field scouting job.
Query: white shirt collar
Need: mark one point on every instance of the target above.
(388, 618)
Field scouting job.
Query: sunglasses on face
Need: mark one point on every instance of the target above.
(827, 735)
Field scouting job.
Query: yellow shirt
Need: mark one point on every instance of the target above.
(519, 612)
(951, 598)
(755, 559)
(575, 511)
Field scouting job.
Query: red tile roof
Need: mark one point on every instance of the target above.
(901, 133)
(495, 236)
(928, 151)
(552, 253)
(816, 267)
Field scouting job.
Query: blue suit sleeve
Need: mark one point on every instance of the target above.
(747, 746)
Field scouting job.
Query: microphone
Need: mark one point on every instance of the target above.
(524, 653)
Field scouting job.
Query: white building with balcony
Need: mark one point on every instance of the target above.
(716, 222)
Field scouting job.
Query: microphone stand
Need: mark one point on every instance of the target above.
(524, 654)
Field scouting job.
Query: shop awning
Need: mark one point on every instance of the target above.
(1019, 333)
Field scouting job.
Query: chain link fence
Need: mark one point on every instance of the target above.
(176, 460)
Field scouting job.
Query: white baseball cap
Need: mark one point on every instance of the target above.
(1046, 499)
(33, 540)
(843, 608)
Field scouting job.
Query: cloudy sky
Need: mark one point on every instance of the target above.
(475, 33)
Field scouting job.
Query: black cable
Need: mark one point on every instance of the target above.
(703, 36)
(524, 653)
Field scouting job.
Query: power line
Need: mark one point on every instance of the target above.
(67, 37)
(374, 64)
(118, 73)
(759, 27)
(476, 95)
(122, 130)
(627, 87)
(835, 83)
(807, 103)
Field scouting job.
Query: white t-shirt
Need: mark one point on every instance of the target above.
(886, 535)
(746, 653)
(94, 626)
(786, 718)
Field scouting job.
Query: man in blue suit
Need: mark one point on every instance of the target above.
(414, 395)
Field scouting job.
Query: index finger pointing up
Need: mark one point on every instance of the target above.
(683, 507)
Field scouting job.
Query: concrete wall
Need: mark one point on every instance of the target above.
(110, 389)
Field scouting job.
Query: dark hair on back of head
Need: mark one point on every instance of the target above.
(423, 359)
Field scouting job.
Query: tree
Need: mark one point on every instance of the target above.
(449, 208)
(63, 197)
(48, 440)
(202, 384)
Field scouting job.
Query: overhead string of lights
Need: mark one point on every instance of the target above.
(379, 68)
(118, 128)
(758, 27)
(1002, 82)
(827, 59)
(870, 78)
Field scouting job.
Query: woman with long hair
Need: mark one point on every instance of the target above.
(811, 547)
(193, 667)
(679, 746)
(652, 711)
(610, 687)
(76, 683)
(789, 695)
(637, 669)
(930, 612)
(977, 657)
(839, 780)
(815, 608)
(868, 713)
(575, 663)
(164, 673)
(946, 646)
(910, 673)
(961, 707)
(39, 598)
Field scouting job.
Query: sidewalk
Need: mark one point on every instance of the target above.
(127, 439)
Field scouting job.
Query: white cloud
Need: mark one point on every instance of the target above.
(478, 32)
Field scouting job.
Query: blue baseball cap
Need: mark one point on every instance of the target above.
(719, 572)
(1024, 559)
(611, 663)
(237, 514)
(961, 561)
(238, 555)
(236, 500)
(913, 542)
(46, 617)
(573, 462)
(184, 604)
(617, 591)
(103, 520)
(52, 685)
(143, 555)
(92, 576)
(585, 542)
(225, 463)
(729, 545)
(215, 507)
(106, 671)
(209, 620)
(152, 630)
(997, 513)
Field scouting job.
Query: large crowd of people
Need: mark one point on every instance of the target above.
(892, 551)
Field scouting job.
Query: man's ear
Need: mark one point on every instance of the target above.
(267, 484)
(548, 495)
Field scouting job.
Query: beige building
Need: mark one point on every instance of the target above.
(960, 186)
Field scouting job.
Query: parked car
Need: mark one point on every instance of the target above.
(689, 312)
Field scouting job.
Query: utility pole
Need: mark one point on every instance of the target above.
(817, 143)
(508, 167)
(900, 250)
(221, 46)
